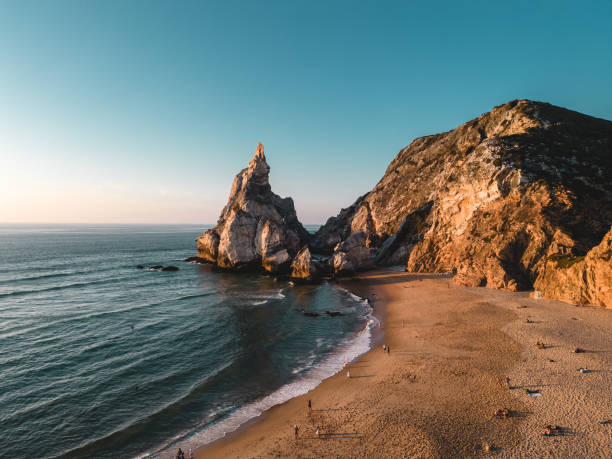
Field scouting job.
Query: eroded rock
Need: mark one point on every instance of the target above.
(496, 201)
(257, 229)
(306, 267)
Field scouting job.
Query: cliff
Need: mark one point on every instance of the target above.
(257, 228)
(500, 201)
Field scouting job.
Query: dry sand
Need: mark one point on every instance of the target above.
(435, 394)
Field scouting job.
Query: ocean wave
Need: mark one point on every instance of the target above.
(62, 287)
(349, 350)
(258, 302)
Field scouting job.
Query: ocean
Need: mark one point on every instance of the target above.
(101, 359)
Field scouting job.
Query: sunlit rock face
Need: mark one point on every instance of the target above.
(257, 228)
(502, 201)
(305, 267)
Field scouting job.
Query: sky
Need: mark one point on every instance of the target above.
(143, 111)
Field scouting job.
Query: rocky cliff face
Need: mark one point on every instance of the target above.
(498, 201)
(256, 229)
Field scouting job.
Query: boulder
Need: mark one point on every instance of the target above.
(580, 279)
(256, 229)
(306, 267)
(352, 254)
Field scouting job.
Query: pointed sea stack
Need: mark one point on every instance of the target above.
(257, 228)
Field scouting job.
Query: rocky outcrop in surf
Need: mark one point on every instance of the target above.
(257, 228)
(306, 267)
(501, 201)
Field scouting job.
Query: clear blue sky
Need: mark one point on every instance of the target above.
(143, 111)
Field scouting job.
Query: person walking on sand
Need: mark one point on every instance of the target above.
(348, 374)
(190, 453)
(318, 432)
(180, 454)
(388, 350)
(309, 407)
(297, 431)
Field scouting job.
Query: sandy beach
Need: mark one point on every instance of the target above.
(435, 394)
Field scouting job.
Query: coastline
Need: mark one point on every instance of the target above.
(435, 394)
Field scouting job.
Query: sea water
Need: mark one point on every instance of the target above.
(101, 359)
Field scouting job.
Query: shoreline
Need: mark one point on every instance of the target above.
(351, 347)
(435, 394)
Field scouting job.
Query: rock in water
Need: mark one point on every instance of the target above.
(508, 200)
(306, 267)
(256, 229)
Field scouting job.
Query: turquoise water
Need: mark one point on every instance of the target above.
(100, 359)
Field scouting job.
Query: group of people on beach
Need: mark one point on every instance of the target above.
(181, 455)
(296, 429)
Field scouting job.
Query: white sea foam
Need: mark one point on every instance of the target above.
(350, 349)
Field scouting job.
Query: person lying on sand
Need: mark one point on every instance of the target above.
(502, 413)
(550, 430)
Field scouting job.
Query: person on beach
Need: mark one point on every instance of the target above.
(388, 350)
(297, 431)
(180, 454)
(348, 374)
(318, 432)
(309, 407)
(190, 453)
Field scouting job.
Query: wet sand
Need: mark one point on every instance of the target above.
(435, 393)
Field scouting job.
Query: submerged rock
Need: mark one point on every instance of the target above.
(170, 268)
(257, 229)
(197, 260)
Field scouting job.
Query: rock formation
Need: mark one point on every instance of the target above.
(306, 267)
(507, 200)
(352, 254)
(256, 229)
(580, 280)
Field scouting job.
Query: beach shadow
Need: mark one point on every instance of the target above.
(337, 409)
(533, 386)
(341, 435)
(362, 376)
